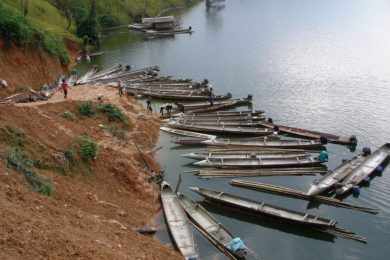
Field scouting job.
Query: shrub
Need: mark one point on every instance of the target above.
(86, 109)
(14, 27)
(113, 112)
(88, 148)
(55, 46)
(108, 21)
(20, 162)
(68, 115)
(15, 137)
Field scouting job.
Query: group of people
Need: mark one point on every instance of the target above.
(168, 108)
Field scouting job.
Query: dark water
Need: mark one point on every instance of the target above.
(318, 64)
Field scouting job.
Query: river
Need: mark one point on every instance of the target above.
(322, 65)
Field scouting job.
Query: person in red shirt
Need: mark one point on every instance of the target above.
(64, 87)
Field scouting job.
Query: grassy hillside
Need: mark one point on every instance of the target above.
(42, 14)
(45, 25)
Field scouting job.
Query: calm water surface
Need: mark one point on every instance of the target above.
(318, 64)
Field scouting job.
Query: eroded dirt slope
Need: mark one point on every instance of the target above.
(96, 205)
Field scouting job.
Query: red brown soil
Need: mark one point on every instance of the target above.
(89, 216)
(24, 67)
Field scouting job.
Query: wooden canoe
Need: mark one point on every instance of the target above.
(194, 105)
(223, 123)
(224, 113)
(304, 133)
(187, 133)
(238, 156)
(217, 107)
(182, 96)
(332, 178)
(285, 144)
(261, 208)
(222, 119)
(222, 129)
(178, 223)
(215, 231)
(258, 162)
(365, 169)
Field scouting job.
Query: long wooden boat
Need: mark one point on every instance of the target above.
(187, 133)
(304, 133)
(221, 120)
(285, 144)
(203, 104)
(223, 123)
(190, 141)
(261, 208)
(84, 79)
(178, 223)
(333, 177)
(289, 192)
(238, 156)
(222, 129)
(223, 114)
(215, 231)
(258, 162)
(365, 169)
(218, 107)
(199, 141)
(182, 96)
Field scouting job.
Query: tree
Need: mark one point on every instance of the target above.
(89, 27)
(24, 4)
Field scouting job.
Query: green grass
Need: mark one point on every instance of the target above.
(44, 15)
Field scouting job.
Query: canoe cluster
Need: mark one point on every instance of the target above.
(241, 143)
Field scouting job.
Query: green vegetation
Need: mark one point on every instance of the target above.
(86, 109)
(46, 23)
(69, 115)
(88, 148)
(16, 28)
(19, 161)
(113, 112)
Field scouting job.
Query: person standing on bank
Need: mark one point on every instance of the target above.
(64, 87)
(211, 97)
(162, 111)
(149, 105)
(120, 88)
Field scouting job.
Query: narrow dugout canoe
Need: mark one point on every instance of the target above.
(187, 133)
(223, 123)
(238, 156)
(304, 133)
(258, 162)
(332, 178)
(223, 130)
(215, 231)
(203, 104)
(261, 208)
(182, 96)
(178, 223)
(365, 169)
(285, 144)
(216, 121)
(224, 113)
(217, 107)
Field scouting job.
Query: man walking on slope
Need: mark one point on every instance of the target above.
(64, 87)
